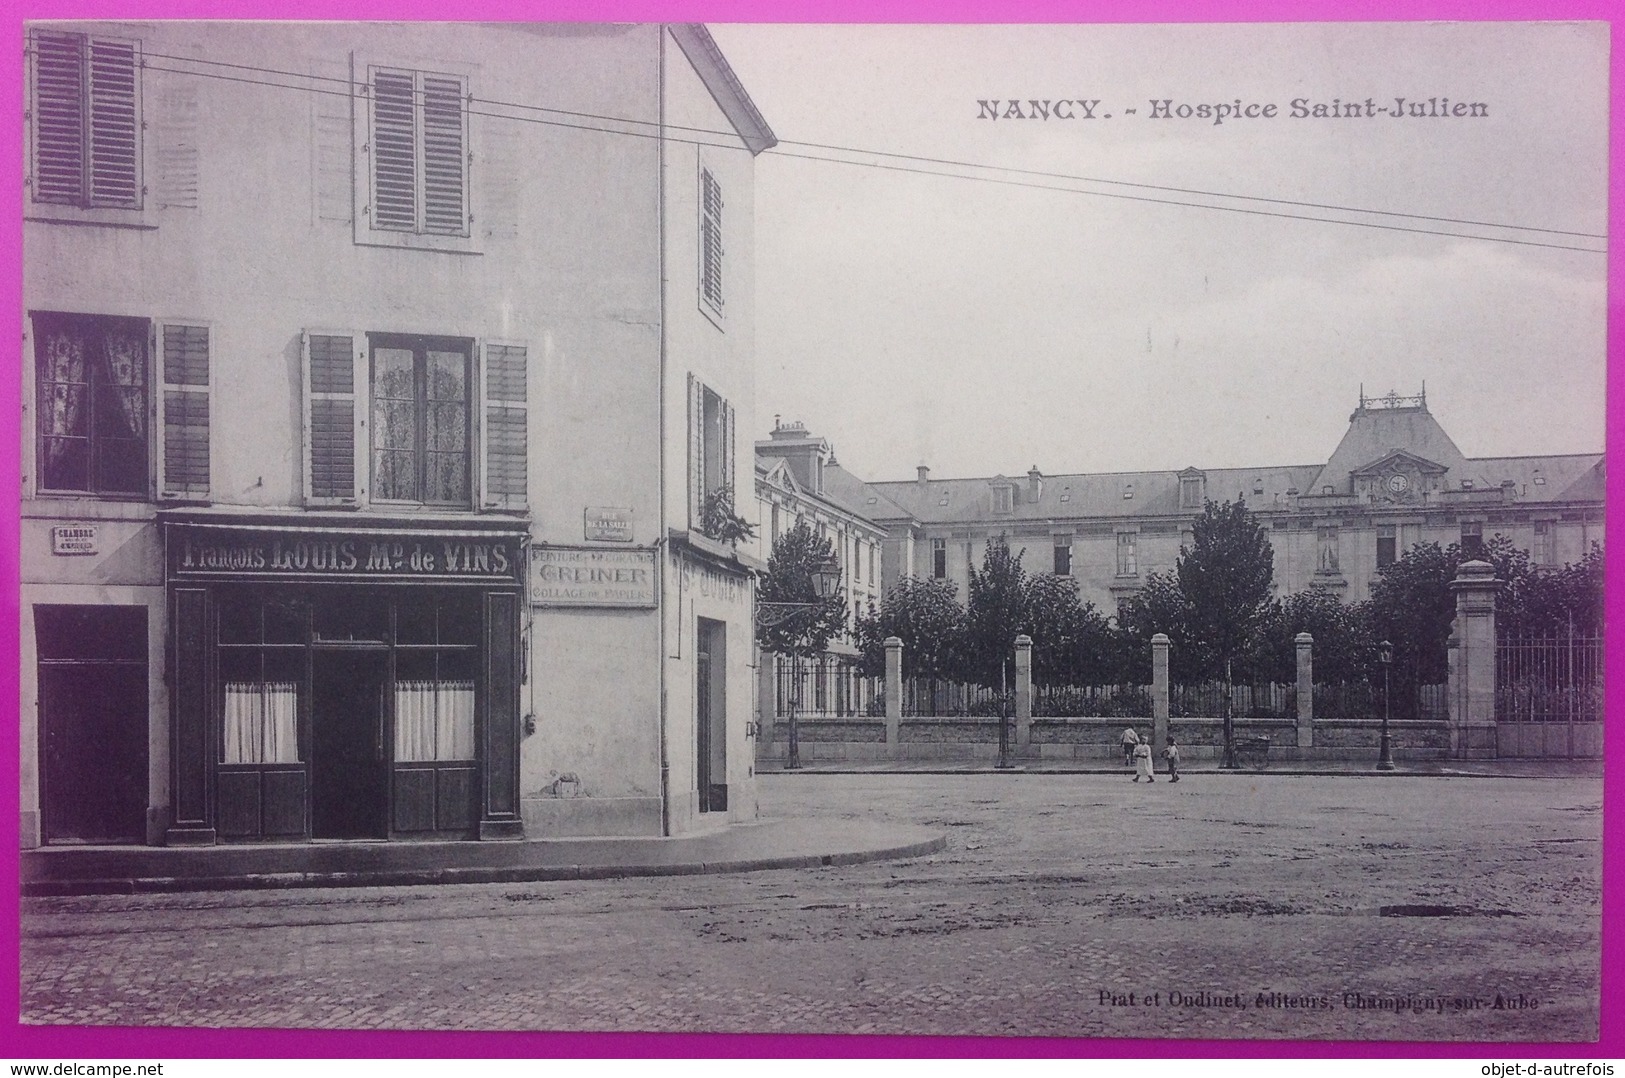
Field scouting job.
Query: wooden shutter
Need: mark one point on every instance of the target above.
(332, 135)
(335, 418)
(710, 240)
(728, 478)
(504, 474)
(444, 156)
(177, 147)
(59, 117)
(696, 453)
(115, 123)
(394, 151)
(183, 402)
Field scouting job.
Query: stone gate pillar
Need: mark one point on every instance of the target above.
(767, 698)
(1024, 690)
(1472, 671)
(1306, 690)
(894, 692)
(1159, 693)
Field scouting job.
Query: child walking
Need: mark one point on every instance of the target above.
(1142, 761)
(1171, 754)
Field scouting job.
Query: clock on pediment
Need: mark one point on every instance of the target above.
(1398, 478)
(1399, 481)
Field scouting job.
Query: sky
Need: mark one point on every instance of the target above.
(986, 327)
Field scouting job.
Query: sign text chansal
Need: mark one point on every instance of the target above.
(578, 576)
(271, 554)
(71, 539)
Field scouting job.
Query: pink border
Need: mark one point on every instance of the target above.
(42, 1043)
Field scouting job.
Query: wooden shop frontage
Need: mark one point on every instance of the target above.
(343, 677)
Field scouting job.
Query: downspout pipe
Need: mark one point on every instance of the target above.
(664, 547)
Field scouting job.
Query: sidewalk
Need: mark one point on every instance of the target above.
(773, 843)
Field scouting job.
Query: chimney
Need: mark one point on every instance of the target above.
(925, 475)
(1035, 484)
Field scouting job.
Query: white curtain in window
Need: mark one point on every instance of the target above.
(261, 723)
(434, 720)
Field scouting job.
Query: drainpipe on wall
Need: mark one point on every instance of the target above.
(660, 544)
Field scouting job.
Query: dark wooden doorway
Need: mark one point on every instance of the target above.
(349, 754)
(93, 723)
(711, 715)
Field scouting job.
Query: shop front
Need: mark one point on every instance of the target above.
(343, 680)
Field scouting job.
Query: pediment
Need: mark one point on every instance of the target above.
(1399, 461)
(1398, 477)
(779, 475)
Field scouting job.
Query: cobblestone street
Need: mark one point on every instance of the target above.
(1235, 906)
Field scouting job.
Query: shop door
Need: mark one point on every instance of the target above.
(93, 722)
(349, 761)
(710, 720)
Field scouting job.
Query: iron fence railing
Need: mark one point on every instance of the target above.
(826, 687)
(1092, 701)
(1271, 700)
(1549, 679)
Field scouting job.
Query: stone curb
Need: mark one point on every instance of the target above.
(1127, 774)
(481, 874)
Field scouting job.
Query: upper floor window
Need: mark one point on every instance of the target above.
(420, 419)
(1387, 540)
(872, 562)
(1127, 559)
(1544, 552)
(86, 120)
(91, 377)
(419, 151)
(711, 297)
(1326, 551)
(1472, 538)
(939, 558)
(1063, 557)
(710, 461)
(390, 417)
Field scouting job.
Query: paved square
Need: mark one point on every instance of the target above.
(1253, 906)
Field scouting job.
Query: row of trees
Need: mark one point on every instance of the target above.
(1218, 609)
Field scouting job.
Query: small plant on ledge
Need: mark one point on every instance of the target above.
(719, 521)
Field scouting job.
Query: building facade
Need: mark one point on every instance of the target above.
(1396, 479)
(799, 481)
(377, 380)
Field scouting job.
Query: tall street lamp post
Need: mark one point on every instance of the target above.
(1385, 754)
(826, 581)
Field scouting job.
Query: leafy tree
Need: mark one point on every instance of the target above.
(1225, 576)
(996, 612)
(1158, 607)
(796, 555)
(1343, 642)
(1072, 641)
(926, 616)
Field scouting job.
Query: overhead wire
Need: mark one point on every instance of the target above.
(348, 90)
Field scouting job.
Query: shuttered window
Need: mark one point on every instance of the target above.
(332, 419)
(183, 352)
(711, 451)
(86, 120)
(710, 241)
(506, 424)
(419, 148)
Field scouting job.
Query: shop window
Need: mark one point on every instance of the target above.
(434, 720)
(86, 113)
(262, 658)
(91, 421)
(435, 667)
(419, 149)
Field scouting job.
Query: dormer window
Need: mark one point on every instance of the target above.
(1003, 499)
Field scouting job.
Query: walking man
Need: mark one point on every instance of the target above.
(1129, 739)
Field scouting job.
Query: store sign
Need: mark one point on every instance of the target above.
(607, 524)
(319, 553)
(580, 576)
(69, 539)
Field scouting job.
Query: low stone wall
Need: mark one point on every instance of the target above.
(1094, 741)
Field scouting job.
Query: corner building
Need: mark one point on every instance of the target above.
(378, 380)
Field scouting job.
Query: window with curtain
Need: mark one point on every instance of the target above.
(434, 720)
(420, 420)
(91, 383)
(261, 723)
